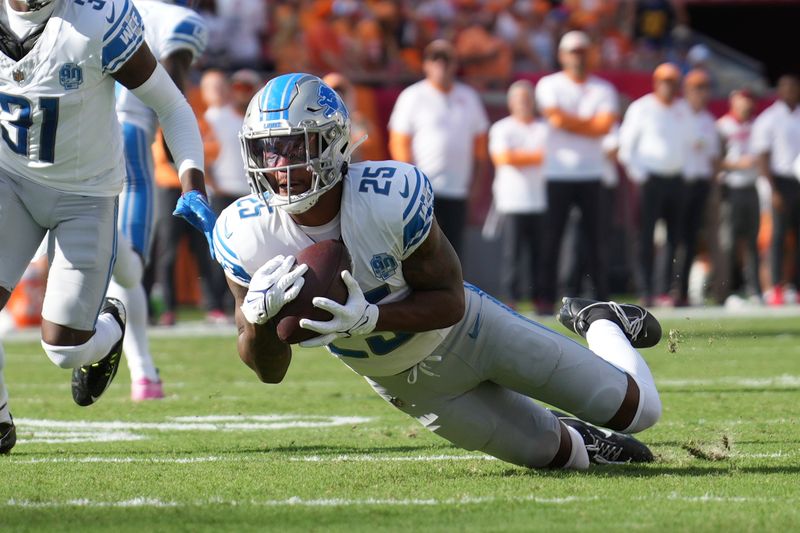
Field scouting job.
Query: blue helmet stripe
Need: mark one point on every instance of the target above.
(286, 97)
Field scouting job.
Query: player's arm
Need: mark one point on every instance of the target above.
(151, 83)
(436, 301)
(258, 344)
(177, 65)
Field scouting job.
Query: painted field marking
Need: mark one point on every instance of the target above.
(784, 380)
(45, 431)
(263, 458)
(144, 501)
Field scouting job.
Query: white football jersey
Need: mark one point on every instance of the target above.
(167, 29)
(386, 213)
(57, 115)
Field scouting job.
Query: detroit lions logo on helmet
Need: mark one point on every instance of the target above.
(330, 102)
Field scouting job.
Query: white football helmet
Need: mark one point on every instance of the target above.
(299, 117)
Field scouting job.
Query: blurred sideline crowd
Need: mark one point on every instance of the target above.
(578, 189)
(382, 41)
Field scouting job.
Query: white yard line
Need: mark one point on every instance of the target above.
(144, 501)
(784, 380)
(378, 458)
(250, 458)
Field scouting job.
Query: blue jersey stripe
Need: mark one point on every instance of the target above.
(181, 42)
(414, 196)
(121, 60)
(120, 18)
(218, 238)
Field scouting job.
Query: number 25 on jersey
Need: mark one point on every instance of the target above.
(16, 122)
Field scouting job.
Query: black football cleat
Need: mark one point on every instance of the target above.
(8, 436)
(609, 447)
(89, 382)
(638, 324)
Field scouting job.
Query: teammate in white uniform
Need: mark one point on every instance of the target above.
(440, 350)
(177, 36)
(61, 168)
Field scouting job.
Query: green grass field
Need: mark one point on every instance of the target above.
(321, 451)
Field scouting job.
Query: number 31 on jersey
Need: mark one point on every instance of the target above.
(16, 122)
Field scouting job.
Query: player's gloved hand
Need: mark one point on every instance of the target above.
(193, 206)
(355, 317)
(273, 285)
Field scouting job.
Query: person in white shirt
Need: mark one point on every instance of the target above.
(225, 120)
(776, 140)
(653, 147)
(740, 207)
(516, 146)
(580, 110)
(700, 171)
(440, 125)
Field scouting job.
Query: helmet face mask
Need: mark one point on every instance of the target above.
(35, 5)
(296, 129)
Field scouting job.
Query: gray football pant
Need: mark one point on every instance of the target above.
(476, 388)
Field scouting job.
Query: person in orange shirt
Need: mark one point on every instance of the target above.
(169, 229)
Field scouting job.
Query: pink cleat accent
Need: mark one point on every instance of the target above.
(144, 389)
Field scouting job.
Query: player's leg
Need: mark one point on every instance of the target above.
(608, 385)
(453, 403)
(81, 328)
(135, 223)
(170, 231)
(20, 235)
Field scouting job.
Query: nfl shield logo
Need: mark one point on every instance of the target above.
(70, 76)
(18, 75)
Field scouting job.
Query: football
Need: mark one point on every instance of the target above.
(325, 260)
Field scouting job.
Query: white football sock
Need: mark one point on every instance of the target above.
(4, 412)
(106, 334)
(135, 345)
(607, 340)
(578, 457)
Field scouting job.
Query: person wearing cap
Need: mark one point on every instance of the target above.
(740, 207)
(653, 147)
(244, 84)
(776, 140)
(700, 170)
(516, 146)
(440, 125)
(580, 110)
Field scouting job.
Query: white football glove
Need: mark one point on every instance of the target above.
(273, 285)
(356, 317)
